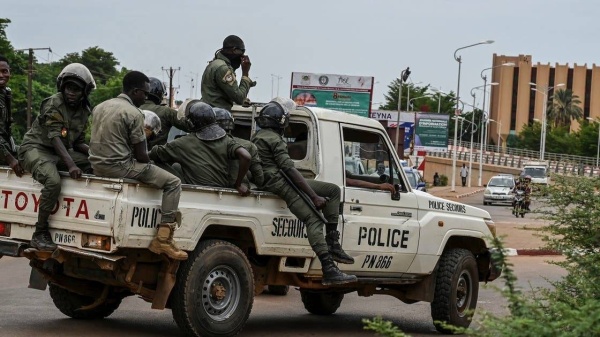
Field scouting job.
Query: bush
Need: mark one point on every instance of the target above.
(443, 180)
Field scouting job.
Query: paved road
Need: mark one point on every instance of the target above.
(27, 312)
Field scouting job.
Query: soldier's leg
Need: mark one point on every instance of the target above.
(81, 160)
(331, 211)
(171, 186)
(43, 169)
(314, 231)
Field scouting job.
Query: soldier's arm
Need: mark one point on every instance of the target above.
(54, 124)
(237, 151)
(166, 154)
(137, 137)
(170, 116)
(256, 166)
(8, 158)
(79, 144)
(225, 78)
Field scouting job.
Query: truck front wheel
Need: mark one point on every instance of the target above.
(214, 291)
(321, 303)
(70, 303)
(456, 290)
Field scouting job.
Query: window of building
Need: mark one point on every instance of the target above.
(588, 93)
(532, 95)
(513, 103)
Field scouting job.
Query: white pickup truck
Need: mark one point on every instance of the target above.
(410, 245)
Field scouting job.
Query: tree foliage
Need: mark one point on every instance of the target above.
(102, 64)
(563, 108)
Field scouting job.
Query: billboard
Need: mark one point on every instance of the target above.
(351, 94)
(431, 130)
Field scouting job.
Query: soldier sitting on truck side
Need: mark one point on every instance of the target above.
(168, 117)
(204, 153)
(56, 141)
(118, 150)
(226, 121)
(272, 148)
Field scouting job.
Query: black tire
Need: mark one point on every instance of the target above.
(278, 290)
(456, 290)
(69, 303)
(321, 303)
(215, 269)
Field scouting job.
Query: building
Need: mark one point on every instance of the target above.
(513, 104)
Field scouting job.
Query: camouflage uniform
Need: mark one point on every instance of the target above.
(255, 164)
(5, 118)
(116, 126)
(219, 86)
(168, 118)
(272, 150)
(37, 154)
(203, 162)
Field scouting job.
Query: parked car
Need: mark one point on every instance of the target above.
(499, 189)
(414, 177)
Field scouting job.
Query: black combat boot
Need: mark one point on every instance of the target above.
(332, 237)
(41, 239)
(331, 274)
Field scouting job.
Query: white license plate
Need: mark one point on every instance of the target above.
(66, 238)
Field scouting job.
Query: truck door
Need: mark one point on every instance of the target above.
(380, 231)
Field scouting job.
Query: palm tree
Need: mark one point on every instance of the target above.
(563, 107)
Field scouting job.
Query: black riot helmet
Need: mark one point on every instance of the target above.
(157, 90)
(203, 121)
(80, 75)
(224, 119)
(274, 116)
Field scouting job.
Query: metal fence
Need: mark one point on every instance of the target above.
(516, 158)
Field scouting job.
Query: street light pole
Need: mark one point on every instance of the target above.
(544, 91)
(403, 78)
(458, 59)
(597, 146)
(483, 114)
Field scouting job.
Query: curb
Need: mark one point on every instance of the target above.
(470, 193)
(530, 252)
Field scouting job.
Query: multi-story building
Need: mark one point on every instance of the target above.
(513, 104)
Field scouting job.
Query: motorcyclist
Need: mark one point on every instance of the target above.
(523, 184)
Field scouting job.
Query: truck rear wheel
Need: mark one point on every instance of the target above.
(321, 303)
(69, 304)
(456, 290)
(214, 291)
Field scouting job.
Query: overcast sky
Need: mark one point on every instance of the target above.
(351, 37)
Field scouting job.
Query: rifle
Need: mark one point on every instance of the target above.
(8, 119)
(303, 196)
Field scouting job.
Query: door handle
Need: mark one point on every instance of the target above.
(356, 208)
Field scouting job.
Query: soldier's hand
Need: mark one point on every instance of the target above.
(387, 187)
(16, 167)
(75, 172)
(243, 190)
(319, 202)
(246, 102)
(246, 65)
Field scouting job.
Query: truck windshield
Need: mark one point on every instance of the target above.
(535, 172)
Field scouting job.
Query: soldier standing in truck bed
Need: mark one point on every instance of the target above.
(8, 151)
(219, 86)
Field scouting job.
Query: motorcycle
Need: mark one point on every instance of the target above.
(519, 204)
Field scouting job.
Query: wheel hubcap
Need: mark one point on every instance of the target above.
(221, 293)
(463, 293)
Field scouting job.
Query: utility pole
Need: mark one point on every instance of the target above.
(171, 72)
(29, 81)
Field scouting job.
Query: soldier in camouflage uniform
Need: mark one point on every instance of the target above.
(225, 120)
(272, 148)
(118, 150)
(204, 153)
(219, 86)
(56, 141)
(168, 116)
(8, 151)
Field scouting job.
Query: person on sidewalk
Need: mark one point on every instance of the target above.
(464, 173)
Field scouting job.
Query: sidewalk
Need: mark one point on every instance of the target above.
(522, 238)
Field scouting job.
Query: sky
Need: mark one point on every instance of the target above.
(364, 38)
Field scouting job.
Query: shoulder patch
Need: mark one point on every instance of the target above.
(229, 77)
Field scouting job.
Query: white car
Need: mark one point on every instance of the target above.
(499, 190)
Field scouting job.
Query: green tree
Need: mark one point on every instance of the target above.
(564, 107)
(101, 63)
